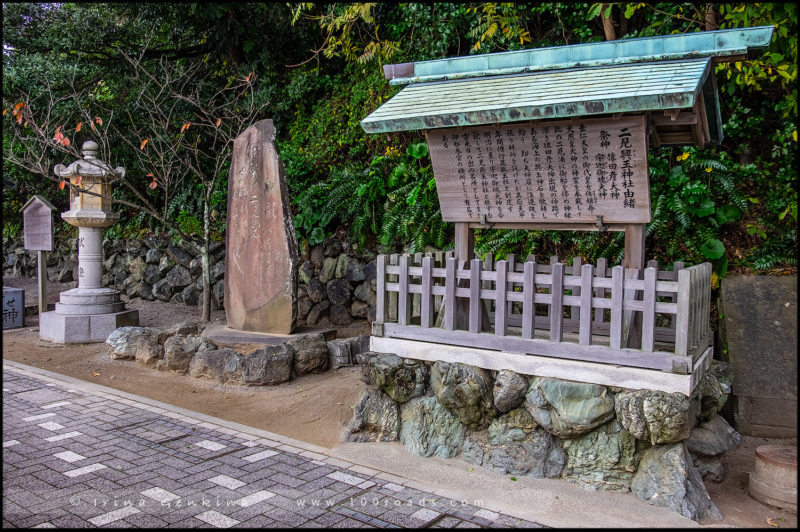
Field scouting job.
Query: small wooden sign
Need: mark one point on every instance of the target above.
(37, 228)
(568, 171)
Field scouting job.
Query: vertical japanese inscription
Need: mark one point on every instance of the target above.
(564, 171)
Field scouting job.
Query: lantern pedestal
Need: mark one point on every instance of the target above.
(90, 312)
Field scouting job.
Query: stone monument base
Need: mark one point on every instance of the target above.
(83, 328)
(224, 334)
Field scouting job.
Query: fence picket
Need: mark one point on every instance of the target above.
(380, 282)
(649, 310)
(511, 260)
(528, 294)
(500, 301)
(556, 302)
(617, 290)
(392, 298)
(600, 271)
(403, 308)
(450, 294)
(426, 315)
(475, 296)
(585, 331)
(682, 321)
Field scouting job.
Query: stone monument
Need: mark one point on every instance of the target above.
(262, 252)
(90, 312)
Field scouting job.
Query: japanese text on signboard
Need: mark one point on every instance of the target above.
(562, 172)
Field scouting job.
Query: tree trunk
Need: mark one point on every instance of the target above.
(608, 23)
(204, 262)
(711, 18)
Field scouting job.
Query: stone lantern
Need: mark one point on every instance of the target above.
(90, 312)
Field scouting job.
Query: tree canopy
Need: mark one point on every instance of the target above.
(319, 73)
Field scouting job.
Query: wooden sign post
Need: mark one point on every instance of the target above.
(37, 229)
(587, 174)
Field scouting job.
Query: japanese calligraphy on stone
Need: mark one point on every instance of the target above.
(549, 172)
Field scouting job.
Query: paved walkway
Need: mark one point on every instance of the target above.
(76, 454)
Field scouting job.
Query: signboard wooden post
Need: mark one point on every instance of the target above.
(569, 174)
(37, 218)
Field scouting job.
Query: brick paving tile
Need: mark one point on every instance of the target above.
(106, 461)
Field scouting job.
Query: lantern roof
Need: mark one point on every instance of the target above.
(89, 166)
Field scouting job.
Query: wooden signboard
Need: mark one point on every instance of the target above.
(568, 171)
(37, 228)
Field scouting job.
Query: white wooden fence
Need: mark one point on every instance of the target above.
(579, 312)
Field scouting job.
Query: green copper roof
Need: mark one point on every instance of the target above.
(721, 43)
(549, 94)
(628, 75)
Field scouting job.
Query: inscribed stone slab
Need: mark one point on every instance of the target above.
(262, 251)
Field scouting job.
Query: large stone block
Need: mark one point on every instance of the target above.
(310, 354)
(466, 391)
(666, 477)
(759, 327)
(429, 429)
(402, 379)
(268, 366)
(537, 455)
(262, 252)
(82, 329)
(375, 418)
(656, 416)
(603, 459)
(568, 409)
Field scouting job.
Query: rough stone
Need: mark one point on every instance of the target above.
(516, 425)
(212, 364)
(466, 390)
(165, 264)
(191, 295)
(666, 477)
(317, 312)
(185, 328)
(359, 309)
(146, 290)
(427, 428)
(715, 386)
(332, 247)
(713, 438)
(178, 255)
(179, 276)
(355, 271)
(218, 293)
(153, 256)
(163, 290)
(217, 271)
(177, 299)
(317, 256)
(604, 459)
(151, 275)
(149, 351)
(375, 418)
(179, 350)
(310, 354)
(316, 290)
(401, 379)
(538, 455)
(338, 292)
(342, 263)
(306, 272)
(339, 315)
(326, 273)
(509, 390)
(122, 342)
(270, 365)
(262, 252)
(370, 271)
(364, 293)
(657, 416)
(568, 409)
(137, 268)
(303, 307)
(343, 352)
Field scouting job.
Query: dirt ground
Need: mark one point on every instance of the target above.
(311, 408)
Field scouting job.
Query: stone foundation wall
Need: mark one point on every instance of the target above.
(336, 284)
(657, 445)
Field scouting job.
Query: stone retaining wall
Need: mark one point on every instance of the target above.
(336, 284)
(657, 445)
